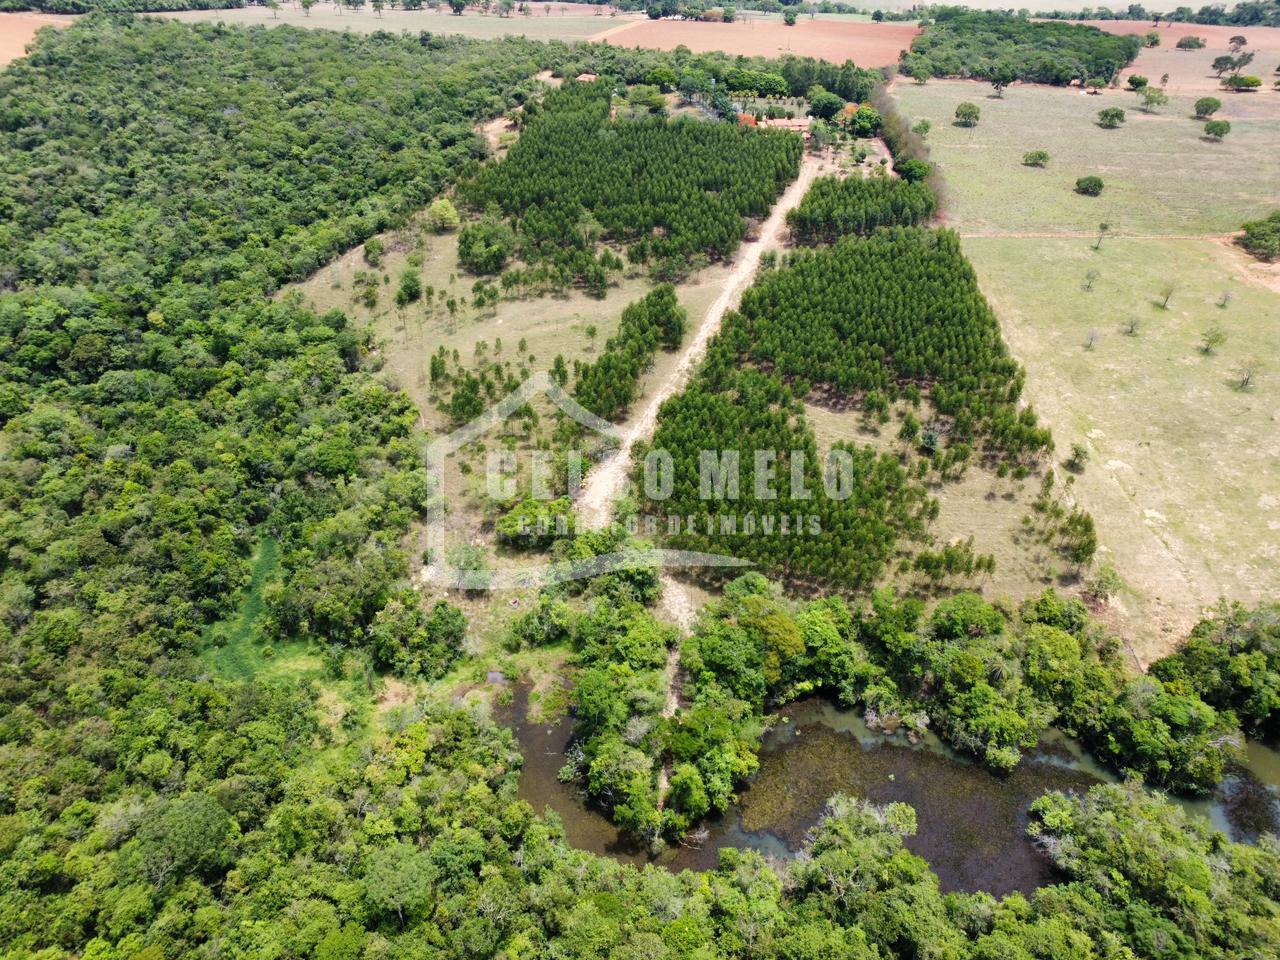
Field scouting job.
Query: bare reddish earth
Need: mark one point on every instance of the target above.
(1188, 70)
(19, 29)
(866, 44)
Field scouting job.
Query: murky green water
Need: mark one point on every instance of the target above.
(972, 823)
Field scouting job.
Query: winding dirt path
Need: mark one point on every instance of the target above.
(606, 482)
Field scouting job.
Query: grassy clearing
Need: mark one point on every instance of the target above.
(574, 326)
(235, 650)
(1181, 478)
(578, 23)
(977, 506)
(1161, 176)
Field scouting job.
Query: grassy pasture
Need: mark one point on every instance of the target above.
(1162, 177)
(1183, 464)
(1181, 475)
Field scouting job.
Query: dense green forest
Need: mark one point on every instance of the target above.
(990, 682)
(668, 191)
(999, 46)
(163, 415)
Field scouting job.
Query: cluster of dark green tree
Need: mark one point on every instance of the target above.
(1005, 47)
(747, 480)
(607, 386)
(413, 843)
(835, 207)
(619, 651)
(1232, 661)
(889, 317)
(991, 682)
(894, 317)
(1262, 237)
(796, 77)
(1250, 13)
(665, 190)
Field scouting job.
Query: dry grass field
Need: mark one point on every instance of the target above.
(548, 21)
(1183, 463)
(1162, 176)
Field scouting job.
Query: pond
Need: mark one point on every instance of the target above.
(972, 822)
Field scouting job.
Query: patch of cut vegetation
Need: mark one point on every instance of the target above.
(236, 649)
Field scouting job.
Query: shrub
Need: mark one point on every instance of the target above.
(1262, 237)
(410, 288)
(373, 250)
(1217, 129)
(1110, 118)
(442, 216)
(1089, 186)
(1036, 158)
(967, 114)
(1191, 43)
(913, 170)
(485, 247)
(1242, 82)
(1137, 81)
(1207, 107)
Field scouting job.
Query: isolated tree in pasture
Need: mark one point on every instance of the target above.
(1246, 375)
(1089, 186)
(1212, 339)
(1217, 129)
(1137, 82)
(1001, 76)
(1238, 43)
(1090, 278)
(1166, 294)
(1036, 158)
(1103, 229)
(1110, 118)
(1241, 83)
(1153, 97)
(1207, 107)
(967, 114)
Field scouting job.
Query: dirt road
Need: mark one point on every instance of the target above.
(606, 482)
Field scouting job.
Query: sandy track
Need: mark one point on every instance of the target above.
(606, 482)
